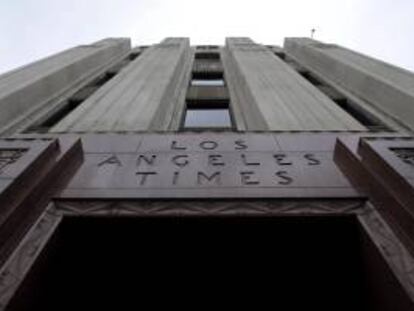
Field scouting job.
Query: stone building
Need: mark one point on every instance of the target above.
(235, 175)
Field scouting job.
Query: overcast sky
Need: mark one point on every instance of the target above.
(33, 29)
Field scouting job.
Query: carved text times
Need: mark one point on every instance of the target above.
(207, 168)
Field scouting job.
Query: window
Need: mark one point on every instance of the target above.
(311, 78)
(207, 114)
(207, 118)
(207, 55)
(207, 78)
(71, 103)
(207, 47)
(353, 109)
(55, 117)
(207, 82)
(208, 66)
(207, 99)
(281, 55)
(133, 56)
(363, 117)
(101, 80)
(358, 113)
(207, 75)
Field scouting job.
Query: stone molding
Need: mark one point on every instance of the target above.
(392, 250)
(208, 208)
(19, 263)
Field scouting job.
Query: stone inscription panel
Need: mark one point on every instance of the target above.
(209, 165)
(219, 165)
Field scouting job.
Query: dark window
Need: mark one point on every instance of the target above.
(281, 55)
(55, 117)
(43, 125)
(311, 78)
(207, 47)
(360, 114)
(71, 104)
(133, 56)
(207, 55)
(207, 103)
(363, 117)
(208, 65)
(103, 78)
(207, 75)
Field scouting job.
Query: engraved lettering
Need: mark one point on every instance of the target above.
(215, 160)
(247, 178)
(180, 160)
(216, 177)
(208, 145)
(240, 144)
(174, 146)
(311, 159)
(285, 178)
(247, 162)
(175, 177)
(144, 177)
(148, 159)
(281, 159)
(112, 160)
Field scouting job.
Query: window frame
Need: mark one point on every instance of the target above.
(194, 105)
(207, 82)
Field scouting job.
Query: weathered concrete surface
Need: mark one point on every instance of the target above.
(388, 88)
(29, 88)
(141, 97)
(273, 96)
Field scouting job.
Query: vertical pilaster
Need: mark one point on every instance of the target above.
(141, 97)
(27, 89)
(387, 88)
(272, 96)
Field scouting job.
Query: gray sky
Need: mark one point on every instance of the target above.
(33, 29)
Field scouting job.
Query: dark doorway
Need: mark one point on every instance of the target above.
(284, 263)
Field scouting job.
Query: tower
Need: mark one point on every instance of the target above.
(238, 164)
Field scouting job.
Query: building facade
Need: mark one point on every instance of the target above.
(284, 176)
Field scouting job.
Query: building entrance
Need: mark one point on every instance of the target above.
(285, 263)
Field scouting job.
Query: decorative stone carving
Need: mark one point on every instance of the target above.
(210, 208)
(19, 263)
(394, 252)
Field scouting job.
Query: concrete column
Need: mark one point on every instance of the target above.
(27, 89)
(141, 97)
(387, 88)
(272, 96)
